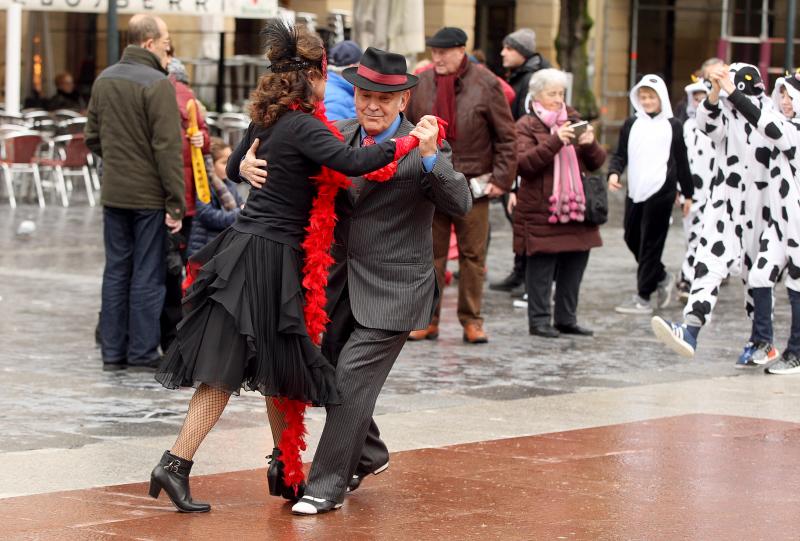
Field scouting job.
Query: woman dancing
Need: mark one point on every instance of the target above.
(247, 323)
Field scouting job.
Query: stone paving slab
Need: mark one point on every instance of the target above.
(49, 300)
(683, 477)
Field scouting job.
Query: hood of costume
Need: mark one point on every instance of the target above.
(698, 86)
(656, 83)
(792, 85)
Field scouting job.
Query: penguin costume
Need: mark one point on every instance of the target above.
(651, 146)
(736, 211)
(702, 156)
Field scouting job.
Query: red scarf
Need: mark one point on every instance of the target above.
(317, 261)
(445, 104)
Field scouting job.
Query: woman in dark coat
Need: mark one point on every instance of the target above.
(548, 208)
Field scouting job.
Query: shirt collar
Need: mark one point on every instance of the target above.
(384, 135)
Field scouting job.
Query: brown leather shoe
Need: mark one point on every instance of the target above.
(431, 333)
(474, 333)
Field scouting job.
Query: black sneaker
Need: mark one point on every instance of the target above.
(789, 364)
(508, 283)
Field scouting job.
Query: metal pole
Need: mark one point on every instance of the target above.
(112, 45)
(634, 46)
(13, 56)
(221, 73)
(790, 24)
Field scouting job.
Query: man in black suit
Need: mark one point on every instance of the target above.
(382, 284)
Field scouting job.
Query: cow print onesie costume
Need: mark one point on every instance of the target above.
(780, 241)
(736, 211)
(703, 164)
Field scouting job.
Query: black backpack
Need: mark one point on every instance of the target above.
(596, 192)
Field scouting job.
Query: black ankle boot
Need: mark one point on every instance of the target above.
(277, 487)
(172, 475)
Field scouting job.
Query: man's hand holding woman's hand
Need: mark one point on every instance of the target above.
(252, 169)
(427, 131)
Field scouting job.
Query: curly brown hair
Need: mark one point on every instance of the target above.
(278, 91)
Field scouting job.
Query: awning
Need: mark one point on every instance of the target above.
(241, 9)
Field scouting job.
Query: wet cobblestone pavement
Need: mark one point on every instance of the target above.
(55, 394)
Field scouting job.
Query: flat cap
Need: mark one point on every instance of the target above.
(447, 37)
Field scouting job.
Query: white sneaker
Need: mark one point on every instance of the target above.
(664, 291)
(636, 306)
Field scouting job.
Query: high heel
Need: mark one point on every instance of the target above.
(172, 476)
(277, 487)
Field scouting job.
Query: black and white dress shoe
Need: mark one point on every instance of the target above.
(308, 505)
(355, 482)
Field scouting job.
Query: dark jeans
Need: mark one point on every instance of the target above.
(566, 269)
(762, 315)
(133, 285)
(646, 227)
(794, 338)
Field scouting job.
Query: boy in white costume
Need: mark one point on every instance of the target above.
(651, 147)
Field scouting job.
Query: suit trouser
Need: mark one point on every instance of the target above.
(472, 232)
(350, 440)
(566, 269)
(646, 228)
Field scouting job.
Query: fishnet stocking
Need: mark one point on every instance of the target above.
(277, 422)
(205, 408)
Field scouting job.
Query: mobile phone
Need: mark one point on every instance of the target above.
(580, 127)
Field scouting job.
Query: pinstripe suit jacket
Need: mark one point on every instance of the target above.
(383, 247)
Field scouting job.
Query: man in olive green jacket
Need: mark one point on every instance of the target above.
(134, 125)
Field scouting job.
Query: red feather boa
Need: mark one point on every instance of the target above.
(317, 261)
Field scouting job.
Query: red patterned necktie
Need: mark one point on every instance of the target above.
(367, 141)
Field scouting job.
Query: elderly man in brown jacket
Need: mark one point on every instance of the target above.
(482, 134)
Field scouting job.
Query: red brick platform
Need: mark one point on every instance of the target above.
(690, 477)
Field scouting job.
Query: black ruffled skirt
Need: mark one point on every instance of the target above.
(243, 325)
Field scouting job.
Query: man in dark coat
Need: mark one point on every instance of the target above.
(522, 61)
(382, 283)
(484, 139)
(134, 125)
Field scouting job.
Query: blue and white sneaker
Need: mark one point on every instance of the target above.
(746, 358)
(677, 337)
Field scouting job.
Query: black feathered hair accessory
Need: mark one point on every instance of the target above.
(281, 42)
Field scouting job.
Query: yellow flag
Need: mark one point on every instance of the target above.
(198, 164)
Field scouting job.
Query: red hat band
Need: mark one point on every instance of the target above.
(380, 78)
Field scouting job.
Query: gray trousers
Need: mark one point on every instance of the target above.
(350, 441)
(566, 269)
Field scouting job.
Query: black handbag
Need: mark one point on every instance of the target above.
(596, 192)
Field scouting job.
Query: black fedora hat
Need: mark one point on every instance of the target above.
(380, 71)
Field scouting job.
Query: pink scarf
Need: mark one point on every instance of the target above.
(567, 203)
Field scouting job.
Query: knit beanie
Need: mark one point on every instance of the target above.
(345, 53)
(523, 41)
(176, 68)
